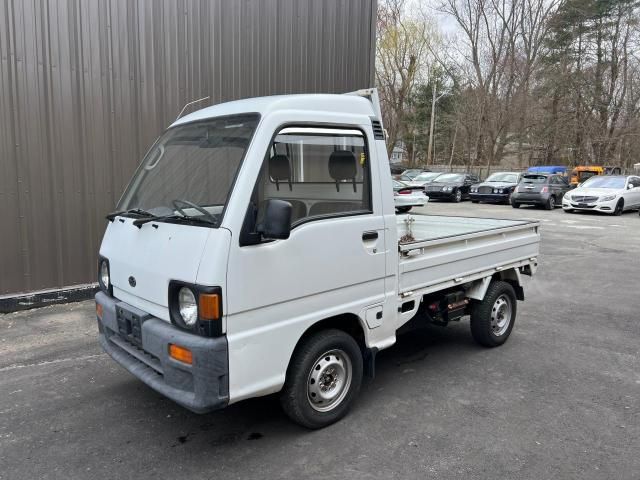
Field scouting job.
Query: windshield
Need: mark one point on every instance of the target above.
(503, 177)
(411, 173)
(192, 165)
(534, 179)
(584, 175)
(605, 182)
(423, 177)
(450, 177)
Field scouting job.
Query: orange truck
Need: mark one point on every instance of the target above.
(582, 173)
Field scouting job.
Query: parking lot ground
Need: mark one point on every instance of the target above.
(561, 399)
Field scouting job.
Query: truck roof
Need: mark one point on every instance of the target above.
(333, 103)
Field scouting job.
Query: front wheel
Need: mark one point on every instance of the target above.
(515, 205)
(458, 196)
(619, 208)
(492, 319)
(323, 379)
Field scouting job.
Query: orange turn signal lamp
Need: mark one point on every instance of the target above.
(209, 306)
(99, 310)
(180, 354)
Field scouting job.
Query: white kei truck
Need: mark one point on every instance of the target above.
(257, 250)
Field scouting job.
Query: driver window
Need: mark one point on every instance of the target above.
(322, 172)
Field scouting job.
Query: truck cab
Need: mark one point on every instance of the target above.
(257, 250)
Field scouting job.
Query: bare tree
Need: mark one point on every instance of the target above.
(401, 52)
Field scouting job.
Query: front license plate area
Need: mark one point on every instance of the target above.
(130, 324)
(583, 205)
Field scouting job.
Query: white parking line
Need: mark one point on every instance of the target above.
(585, 227)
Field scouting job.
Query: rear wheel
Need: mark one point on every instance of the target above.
(551, 203)
(492, 319)
(323, 379)
(515, 205)
(619, 207)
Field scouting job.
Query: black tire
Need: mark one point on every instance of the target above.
(483, 329)
(403, 209)
(515, 205)
(551, 203)
(295, 397)
(458, 196)
(619, 208)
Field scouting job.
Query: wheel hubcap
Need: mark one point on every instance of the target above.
(329, 380)
(501, 315)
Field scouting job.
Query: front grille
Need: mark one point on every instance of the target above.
(583, 199)
(433, 189)
(485, 190)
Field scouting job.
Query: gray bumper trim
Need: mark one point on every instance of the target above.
(200, 387)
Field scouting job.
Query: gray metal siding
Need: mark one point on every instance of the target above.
(87, 85)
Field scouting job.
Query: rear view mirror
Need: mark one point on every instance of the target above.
(630, 186)
(276, 224)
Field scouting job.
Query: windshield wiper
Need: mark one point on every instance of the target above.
(131, 211)
(141, 221)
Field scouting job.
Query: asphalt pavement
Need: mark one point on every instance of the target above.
(560, 400)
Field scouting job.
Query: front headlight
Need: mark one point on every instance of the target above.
(567, 196)
(607, 198)
(448, 189)
(474, 189)
(187, 306)
(104, 274)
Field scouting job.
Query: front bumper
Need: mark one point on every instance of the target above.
(490, 197)
(604, 207)
(200, 387)
(441, 195)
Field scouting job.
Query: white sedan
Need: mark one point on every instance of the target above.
(405, 197)
(604, 193)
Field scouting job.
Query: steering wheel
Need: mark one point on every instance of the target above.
(177, 202)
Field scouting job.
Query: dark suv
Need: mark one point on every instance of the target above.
(541, 189)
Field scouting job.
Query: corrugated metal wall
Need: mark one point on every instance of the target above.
(87, 85)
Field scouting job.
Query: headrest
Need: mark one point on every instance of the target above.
(280, 169)
(342, 166)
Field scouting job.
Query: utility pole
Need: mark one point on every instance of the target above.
(434, 100)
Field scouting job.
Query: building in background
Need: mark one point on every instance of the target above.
(86, 87)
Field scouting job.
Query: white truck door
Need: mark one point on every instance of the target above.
(333, 262)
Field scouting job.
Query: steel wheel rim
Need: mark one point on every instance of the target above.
(501, 314)
(329, 380)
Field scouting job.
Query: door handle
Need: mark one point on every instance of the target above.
(369, 236)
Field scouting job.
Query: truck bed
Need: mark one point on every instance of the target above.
(448, 251)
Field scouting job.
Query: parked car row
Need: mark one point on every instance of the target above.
(611, 194)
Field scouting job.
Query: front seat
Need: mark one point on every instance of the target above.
(280, 170)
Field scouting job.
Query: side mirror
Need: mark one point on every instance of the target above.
(276, 224)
